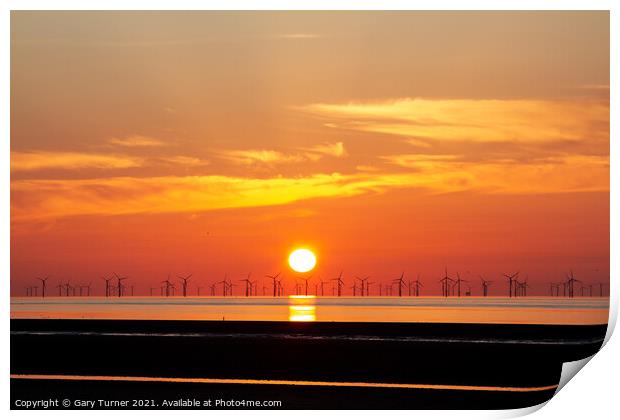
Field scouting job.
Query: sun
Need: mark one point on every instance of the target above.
(302, 260)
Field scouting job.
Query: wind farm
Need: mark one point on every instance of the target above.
(359, 286)
(349, 299)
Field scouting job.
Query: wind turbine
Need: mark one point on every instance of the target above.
(400, 283)
(323, 283)
(168, 284)
(363, 281)
(120, 279)
(248, 285)
(224, 284)
(43, 285)
(67, 287)
(524, 286)
(417, 284)
(59, 286)
(571, 284)
(184, 283)
(445, 283)
(339, 283)
(275, 282)
(485, 286)
(354, 288)
(306, 279)
(511, 280)
(368, 283)
(458, 282)
(230, 286)
(107, 285)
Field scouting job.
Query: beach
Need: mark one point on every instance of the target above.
(301, 364)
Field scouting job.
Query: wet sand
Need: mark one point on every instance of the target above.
(303, 364)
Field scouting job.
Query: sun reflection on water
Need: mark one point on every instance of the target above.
(301, 308)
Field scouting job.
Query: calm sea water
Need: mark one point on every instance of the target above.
(524, 310)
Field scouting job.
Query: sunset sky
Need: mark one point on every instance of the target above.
(212, 143)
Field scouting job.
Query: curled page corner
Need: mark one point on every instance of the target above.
(518, 412)
(569, 370)
(613, 316)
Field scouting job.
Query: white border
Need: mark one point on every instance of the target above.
(591, 394)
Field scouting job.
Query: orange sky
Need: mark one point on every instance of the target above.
(212, 143)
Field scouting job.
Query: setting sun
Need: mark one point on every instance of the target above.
(302, 260)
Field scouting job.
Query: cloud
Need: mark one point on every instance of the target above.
(329, 149)
(473, 120)
(183, 161)
(559, 174)
(272, 157)
(136, 141)
(126, 195)
(41, 199)
(595, 87)
(25, 161)
(250, 157)
(417, 160)
(37, 160)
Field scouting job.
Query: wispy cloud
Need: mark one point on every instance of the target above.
(273, 157)
(440, 164)
(249, 157)
(473, 120)
(328, 149)
(40, 199)
(595, 87)
(37, 160)
(126, 195)
(561, 174)
(136, 141)
(183, 161)
(25, 161)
